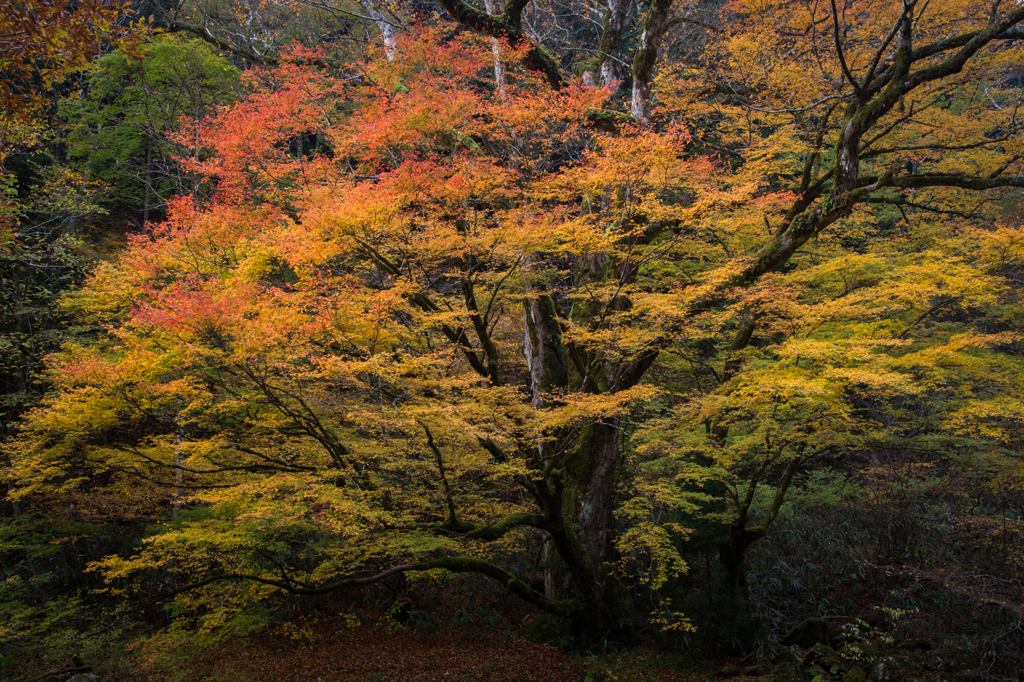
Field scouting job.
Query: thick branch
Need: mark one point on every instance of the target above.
(938, 180)
(489, 532)
(968, 45)
(609, 65)
(480, 327)
(452, 519)
(423, 302)
(780, 493)
(881, 49)
(508, 26)
(453, 564)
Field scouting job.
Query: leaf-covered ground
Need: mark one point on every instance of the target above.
(372, 655)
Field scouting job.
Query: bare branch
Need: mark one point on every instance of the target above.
(839, 48)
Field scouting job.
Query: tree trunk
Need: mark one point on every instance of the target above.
(495, 7)
(592, 471)
(609, 61)
(546, 354)
(655, 23)
(548, 363)
(734, 554)
(579, 553)
(149, 179)
(386, 28)
(592, 468)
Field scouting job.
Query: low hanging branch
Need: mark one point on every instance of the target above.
(453, 564)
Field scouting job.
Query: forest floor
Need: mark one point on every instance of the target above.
(368, 654)
(341, 641)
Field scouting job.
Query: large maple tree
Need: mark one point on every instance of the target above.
(418, 320)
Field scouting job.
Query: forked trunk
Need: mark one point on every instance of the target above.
(733, 556)
(577, 562)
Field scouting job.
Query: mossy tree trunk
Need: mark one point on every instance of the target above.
(740, 535)
(653, 27)
(580, 564)
(610, 66)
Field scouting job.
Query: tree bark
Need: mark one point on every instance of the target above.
(493, 7)
(386, 28)
(580, 550)
(609, 59)
(654, 26)
(733, 556)
(508, 26)
(546, 355)
(592, 467)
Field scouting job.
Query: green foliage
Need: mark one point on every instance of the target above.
(119, 128)
(34, 272)
(820, 489)
(48, 603)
